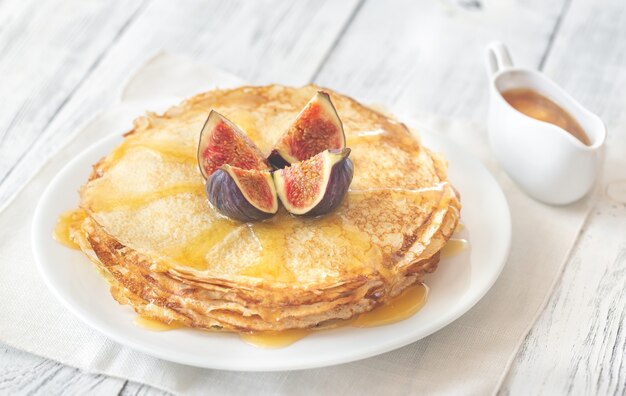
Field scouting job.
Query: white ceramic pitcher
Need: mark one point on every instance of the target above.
(548, 162)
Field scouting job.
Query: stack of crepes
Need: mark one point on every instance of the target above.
(166, 252)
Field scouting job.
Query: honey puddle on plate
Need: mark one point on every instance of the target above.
(155, 325)
(67, 221)
(453, 247)
(278, 339)
(399, 308)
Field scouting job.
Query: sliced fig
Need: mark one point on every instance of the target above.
(242, 194)
(315, 186)
(221, 142)
(317, 128)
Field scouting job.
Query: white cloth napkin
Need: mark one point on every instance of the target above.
(470, 356)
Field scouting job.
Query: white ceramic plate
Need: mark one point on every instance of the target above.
(455, 287)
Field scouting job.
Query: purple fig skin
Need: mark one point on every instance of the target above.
(277, 160)
(225, 195)
(338, 185)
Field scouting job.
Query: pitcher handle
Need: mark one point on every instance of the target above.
(497, 58)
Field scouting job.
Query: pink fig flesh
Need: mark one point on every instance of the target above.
(221, 142)
(317, 128)
(315, 186)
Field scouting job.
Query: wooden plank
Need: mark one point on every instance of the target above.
(135, 389)
(48, 48)
(23, 373)
(266, 41)
(578, 344)
(427, 56)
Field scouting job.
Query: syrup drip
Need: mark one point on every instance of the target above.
(155, 325)
(67, 221)
(453, 247)
(399, 308)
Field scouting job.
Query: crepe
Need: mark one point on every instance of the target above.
(171, 256)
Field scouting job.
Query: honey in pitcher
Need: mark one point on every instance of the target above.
(539, 107)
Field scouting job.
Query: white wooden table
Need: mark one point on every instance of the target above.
(61, 62)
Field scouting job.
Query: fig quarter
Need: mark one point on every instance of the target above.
(315, 186)
(317, 128)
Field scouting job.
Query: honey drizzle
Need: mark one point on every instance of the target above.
(193, 253)
(66, 222)
(272, 237)
(357, 251)
(134, 202)
(171, 152)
